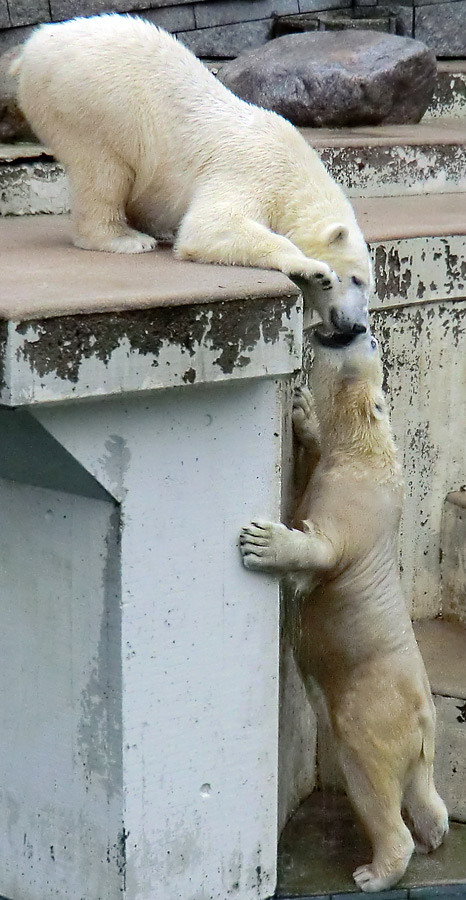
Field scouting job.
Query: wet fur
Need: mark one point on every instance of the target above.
(354, 636)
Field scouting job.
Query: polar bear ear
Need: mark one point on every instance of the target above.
(335, 233)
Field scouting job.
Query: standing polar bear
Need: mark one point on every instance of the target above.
(354, 636)
(153, 141)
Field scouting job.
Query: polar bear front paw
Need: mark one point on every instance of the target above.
(270, 546)
(314, 270)
(305, 422)
(129, 242)
(135, 243)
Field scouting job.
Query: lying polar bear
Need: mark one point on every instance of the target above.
(355, 635)
(152, 140)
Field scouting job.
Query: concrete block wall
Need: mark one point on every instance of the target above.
(438, 23)
(211, 28)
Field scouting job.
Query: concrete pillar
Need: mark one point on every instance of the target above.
(140, 659)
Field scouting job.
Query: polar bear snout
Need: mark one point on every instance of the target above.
(345, 310)
(344, 322)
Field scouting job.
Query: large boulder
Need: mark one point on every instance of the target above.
(13, 125)
(337, 78)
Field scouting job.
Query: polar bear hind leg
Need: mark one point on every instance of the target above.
(377, 800)
(100, 186)
(425, 811)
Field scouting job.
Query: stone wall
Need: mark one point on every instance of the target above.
(440, 24)
(211, 28)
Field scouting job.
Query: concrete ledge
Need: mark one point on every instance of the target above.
(43, 275)
(82, 324)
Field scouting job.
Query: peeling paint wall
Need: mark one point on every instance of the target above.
(30, 188)
(449, 96)
(424, 351)
(88, 355)
(395, 171)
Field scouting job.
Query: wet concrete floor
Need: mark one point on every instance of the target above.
(322, 844)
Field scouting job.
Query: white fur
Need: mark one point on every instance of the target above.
(153, 141)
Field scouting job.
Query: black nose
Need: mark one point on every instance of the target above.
(345, 325)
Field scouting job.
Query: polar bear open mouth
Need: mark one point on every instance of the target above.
(335, 339)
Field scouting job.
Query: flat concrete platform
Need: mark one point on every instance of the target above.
(424, 215)
(323, 843)
(42, 274)
(431, 132)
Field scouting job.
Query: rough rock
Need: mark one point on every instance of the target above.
(337, 79)
(13, 125)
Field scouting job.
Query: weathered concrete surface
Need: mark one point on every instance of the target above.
(337, 78)
(453, 562)
(323, 843)
(110, 282)
(78, 323)
(199, 642)
(440, 217)
(58, 358)
(62, 794)
(443, 648)
(450, 91)
(425, 377)
(33, 188)
(450, 753)
(192, 655)
(395, 160)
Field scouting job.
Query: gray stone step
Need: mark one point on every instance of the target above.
(31, 181)
(395, 160)
(449, 99)
(383, 161)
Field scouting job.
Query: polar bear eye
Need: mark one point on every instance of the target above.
(356, 281)
(374, 344)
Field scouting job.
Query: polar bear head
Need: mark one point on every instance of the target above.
(346, 382)
(342, 246)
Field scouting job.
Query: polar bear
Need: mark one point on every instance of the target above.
(354, 634)
(153, 141)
